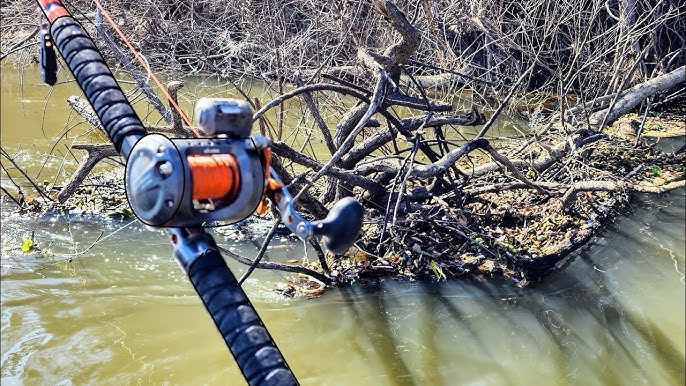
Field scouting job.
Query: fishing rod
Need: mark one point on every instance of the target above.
(181, 184)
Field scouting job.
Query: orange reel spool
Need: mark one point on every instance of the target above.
(214, 177)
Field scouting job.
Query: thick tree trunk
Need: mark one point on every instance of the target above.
(628, 99)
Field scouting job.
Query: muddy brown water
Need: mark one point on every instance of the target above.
(122, 311)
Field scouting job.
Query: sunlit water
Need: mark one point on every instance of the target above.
(104, 302)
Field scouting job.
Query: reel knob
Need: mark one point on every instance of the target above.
(340, 228)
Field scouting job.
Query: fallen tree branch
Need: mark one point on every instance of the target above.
(260, 253)
(311, 105)
(276, 266)
(612, 186)
(588, 186)
(309, 88)
(511, 185)
(85, 110)
(377, 99)
(95, 154)
(415, 103)
(348, 122)
(448, 160)
(631, 97)
(511, 167)
(542, 163)
(658, 189)
(283, 150)
(380, 138)
(424, 171)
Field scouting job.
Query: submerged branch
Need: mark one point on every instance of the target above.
(277, 266)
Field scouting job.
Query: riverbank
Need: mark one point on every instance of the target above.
(503, 230)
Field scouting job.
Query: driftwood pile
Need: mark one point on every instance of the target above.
(443, 203)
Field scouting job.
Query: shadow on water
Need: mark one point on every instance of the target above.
(604, 319)
(581, 328)
(363, 300)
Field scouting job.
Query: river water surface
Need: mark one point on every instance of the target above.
(122, 312)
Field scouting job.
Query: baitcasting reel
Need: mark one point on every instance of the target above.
(225, 177)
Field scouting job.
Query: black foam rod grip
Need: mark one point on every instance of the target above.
(117, 116)
(236, 319)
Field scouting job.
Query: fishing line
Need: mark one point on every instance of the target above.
(142, 61)
(76, 254)
(214, 176)
(135, 53)
(676, 264)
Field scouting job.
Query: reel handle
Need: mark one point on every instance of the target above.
(338, 230)
(342, 225)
